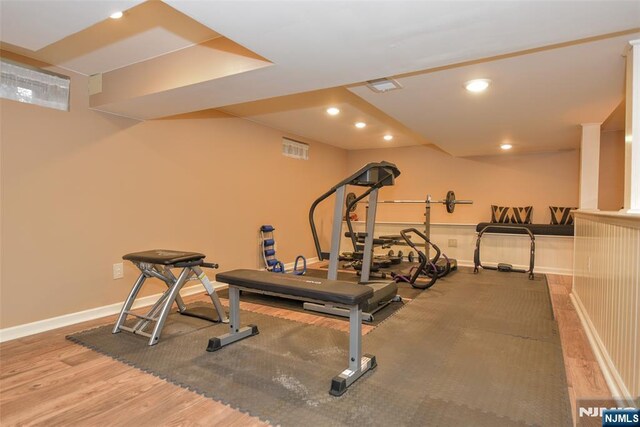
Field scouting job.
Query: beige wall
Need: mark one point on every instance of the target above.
(82, 188)
(539, 180)
(611, 180)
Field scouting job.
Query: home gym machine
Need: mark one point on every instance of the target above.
(504, 267)
(373, 176)
(443, 265)
(426, 266)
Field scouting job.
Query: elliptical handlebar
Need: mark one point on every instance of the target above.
(314, 231)
(423, 258)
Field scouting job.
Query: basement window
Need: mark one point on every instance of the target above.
(31, 85)
(295, 149)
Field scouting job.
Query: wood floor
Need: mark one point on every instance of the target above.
(47, 380)
(584, 377)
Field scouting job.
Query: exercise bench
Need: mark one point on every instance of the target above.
(346, 295)
(158, 263)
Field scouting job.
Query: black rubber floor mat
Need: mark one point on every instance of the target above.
(459, 354)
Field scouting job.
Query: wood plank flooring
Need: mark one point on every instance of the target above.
(584, 376)
(47, 380)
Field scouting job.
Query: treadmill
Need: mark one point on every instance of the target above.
(373, 176)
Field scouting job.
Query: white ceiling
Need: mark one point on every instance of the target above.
(536, 102)
(323, 44)
(316, 45)
(34, 24)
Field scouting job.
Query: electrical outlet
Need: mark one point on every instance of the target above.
(453, 243)
(118, 270)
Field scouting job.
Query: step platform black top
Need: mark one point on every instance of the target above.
(164, 256)
(301, 287)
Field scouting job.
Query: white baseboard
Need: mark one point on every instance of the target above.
(618, 389)
(20, 331)
(39, 326)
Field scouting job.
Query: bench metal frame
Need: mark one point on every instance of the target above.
(158, 313)
(358, 363)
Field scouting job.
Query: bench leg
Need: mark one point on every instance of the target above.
(236, 333)
(212, 293)
(358, 363)
(129, 302)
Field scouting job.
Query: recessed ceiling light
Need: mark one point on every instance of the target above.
(477, 85)
(332, 111)
(116, 15)
(506, 146)
(360, 125)
(388, 137)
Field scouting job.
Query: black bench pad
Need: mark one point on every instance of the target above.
(542, 229)
(313, 288)
(163, 256)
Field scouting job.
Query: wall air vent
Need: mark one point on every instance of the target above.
(295, 149)
(383, 85)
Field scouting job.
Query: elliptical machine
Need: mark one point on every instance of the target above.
(373, 176)
(427, 267)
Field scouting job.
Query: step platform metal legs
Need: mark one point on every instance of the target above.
(159, 263)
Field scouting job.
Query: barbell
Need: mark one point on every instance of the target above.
(449, 201)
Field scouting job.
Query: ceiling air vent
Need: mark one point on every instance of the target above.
(295, 149)
(383, 85)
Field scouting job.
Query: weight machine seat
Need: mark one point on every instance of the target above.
(164, 257)
(536, 229)
(380, 241)
(299, 287)
(394, 237)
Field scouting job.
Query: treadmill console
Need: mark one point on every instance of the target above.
(382, 173)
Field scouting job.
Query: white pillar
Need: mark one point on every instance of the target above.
(589, 165)
(632, 137)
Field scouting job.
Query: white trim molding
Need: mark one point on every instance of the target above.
(611, 375)
(554, 254)
(44, 325)
(606, 294)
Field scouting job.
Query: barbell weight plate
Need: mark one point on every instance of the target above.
(450, 201)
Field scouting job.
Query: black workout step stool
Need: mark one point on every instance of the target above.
(158, 263)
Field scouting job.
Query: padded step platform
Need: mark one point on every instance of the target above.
(163, 256)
